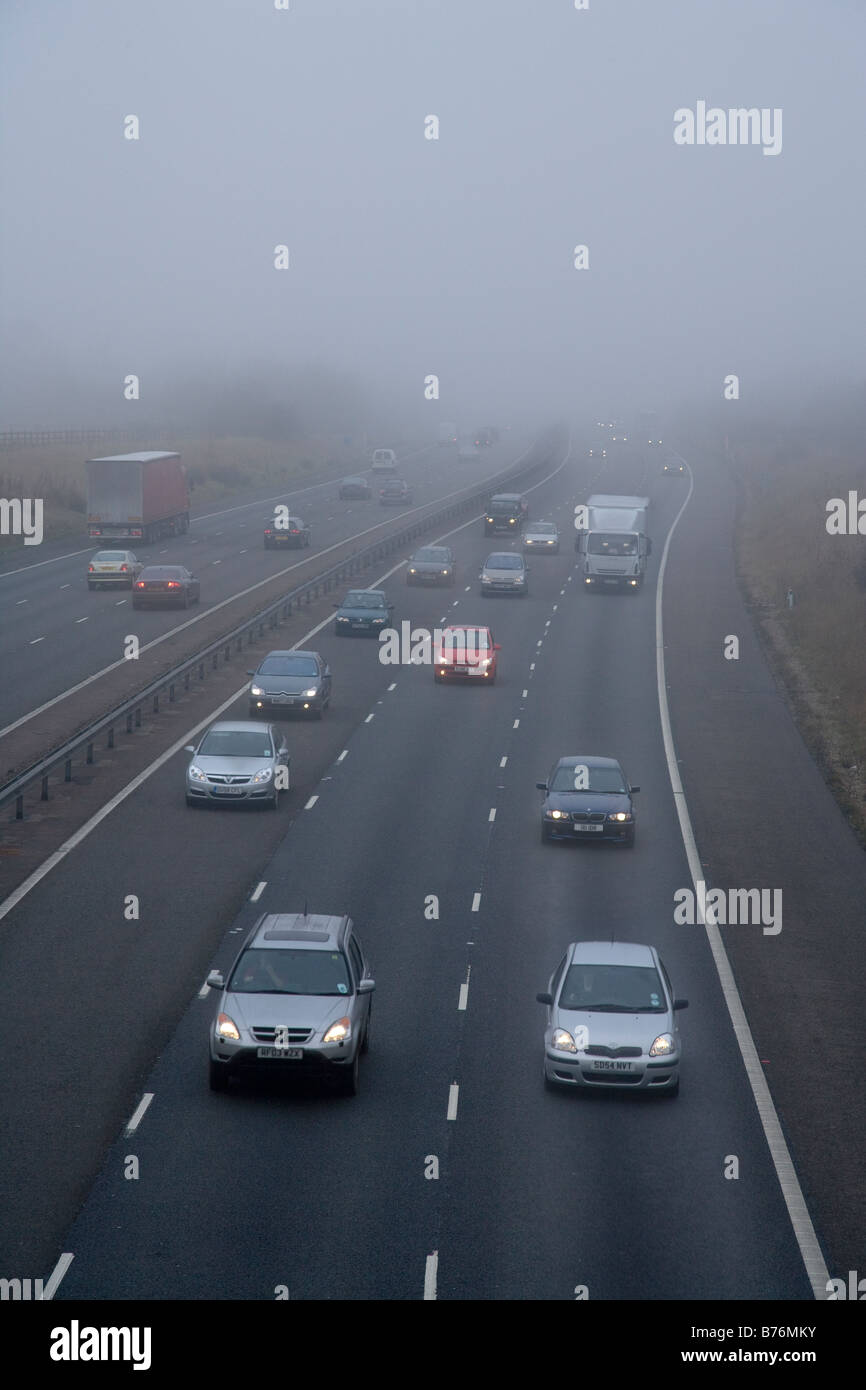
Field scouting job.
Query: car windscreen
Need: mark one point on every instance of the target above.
(106, 555)
(502, 508)
(626, 989)
(236, 743)
(542, 528)
(506, 561)
(359, 598)
(263, 970)
(288, 666)
(431, 554)
(162, 572)
(599, 779)
(612, 543)
(473, 639)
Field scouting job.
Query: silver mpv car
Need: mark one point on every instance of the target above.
(238, 760)
(611, 1020)
(297, 1001)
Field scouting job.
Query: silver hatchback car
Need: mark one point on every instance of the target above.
(238, 760)
(297, 1002)
(611, 1020)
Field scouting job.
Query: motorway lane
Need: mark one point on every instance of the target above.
(537, 1193)
(55, 632)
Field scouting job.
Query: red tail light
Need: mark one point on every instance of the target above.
(124, 568)
(91, 568)
(173, 584)
(140, 584)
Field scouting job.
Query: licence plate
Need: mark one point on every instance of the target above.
(231, 791)
(356, 622)
(461, 670)
(611, 581)
(597, 828)
(611, 1066)
(287, 1054)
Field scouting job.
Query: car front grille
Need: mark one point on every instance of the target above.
(617, 1078)
(587, 816)
(599, 1050)
(296, 1036)
(222, 779)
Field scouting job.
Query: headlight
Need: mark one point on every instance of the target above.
(620, 815)
(444, 571)
(227, 1028)
(379, 620)
(413, 571)
(195, 774)
(339, 1031)
(557, 815)
(264, 774)
(550, 542)
(308, 694)
(663, 1046)
(342, 620)
(563, 1041)
(256, 690)
(487, 661)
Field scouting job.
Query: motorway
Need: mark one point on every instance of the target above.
(406, 790)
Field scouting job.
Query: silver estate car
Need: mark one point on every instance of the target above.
(611, 1020)
(504, 572)
(541, 535)
(296, 1002)
(113, 567)
(238, 760)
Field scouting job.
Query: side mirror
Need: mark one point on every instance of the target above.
(497, 646)
(283, 755)
(548, 998)
(251, 673)
(366, 986)
(681, 1004)
(335, 605)
(216, 981)
(634, 789)
(189, 748)
(542, 786)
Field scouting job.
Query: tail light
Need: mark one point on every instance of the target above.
(174, 584)
(268, 531)
(124, 568)
(140, 584)
(91, 569)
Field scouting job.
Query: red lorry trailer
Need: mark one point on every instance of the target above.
(136, 497)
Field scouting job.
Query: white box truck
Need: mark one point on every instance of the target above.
(613, 542)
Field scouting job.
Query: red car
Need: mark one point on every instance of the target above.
(466, 652)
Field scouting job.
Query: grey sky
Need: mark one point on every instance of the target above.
(408, 255)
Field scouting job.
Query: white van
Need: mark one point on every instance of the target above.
(384, 461)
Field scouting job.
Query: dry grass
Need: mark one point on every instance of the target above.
(816, 648)
(216, 469)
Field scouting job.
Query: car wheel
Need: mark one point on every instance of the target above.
(273, 802)
(319, 713)
(629, 844)
(672, 1091)
(352, 1078)
(185, 603)
(365, 1045)
(218, 1077)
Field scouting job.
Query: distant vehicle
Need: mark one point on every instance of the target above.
(649, 428)
(466, 653)
(290, 680)
(136, 497)
(673, 465)
(296, 1003)
(468, 450)
(113, 567)
(614, 545)
(655, 442)
(493, 433)
(505, 572)
(597, 449)
(363, 611)
(447, 435)
(483, 439)
(355, 488)
(611, 1020)
(236, 761)
(170, 586)
(395, 493)
(542, 536)
(290, 532)
(432, 564)
(506, 512)
(384, 461)
(587, 798)
(619, 435)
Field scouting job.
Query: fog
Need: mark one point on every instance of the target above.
(408, 256)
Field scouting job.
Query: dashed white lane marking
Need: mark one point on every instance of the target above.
(22, 600)
(516, 724)
(82, 620)
(369, 717)
(393, 685)
(120, 602)
(503, 761)
(476, 902)
(343, 755)
(453, 1097)
(464, 996)
(525, 693)
(431, 1270)
(532, 665)
(311, 803)
(35, 640)
(139, 1113)
(66, 586)
(258, 890)
(492, 816)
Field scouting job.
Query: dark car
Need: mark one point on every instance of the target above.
(483, 439)
(355, 487)
(291, 680)
(432, 564)
(587, 798)
(673, 465)
(507, 511)
(288, 531)
(363, 611)
(395, 493)
(165, 585)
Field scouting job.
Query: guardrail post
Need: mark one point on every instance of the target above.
(156, 704)
(89, 758)
(19, 806)
(138, 717)
(110, 743)
(171, 694)
(44, 793)
(67, 770)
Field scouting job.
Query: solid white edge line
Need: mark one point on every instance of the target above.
(476, 902)
(139, 1113)
(431, 1271)
(59, 1270)
(798, 1212)
(258, 890)
(464, 995)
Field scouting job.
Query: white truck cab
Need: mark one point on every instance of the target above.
(384, 461)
